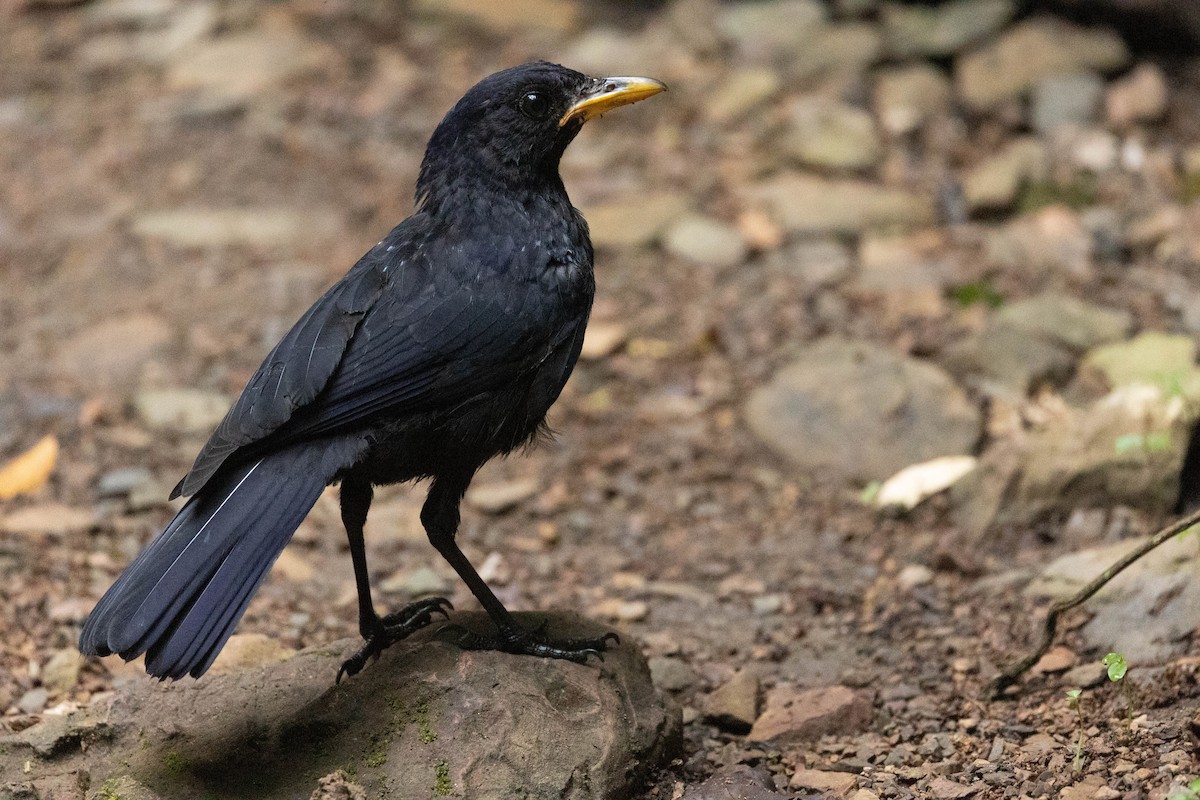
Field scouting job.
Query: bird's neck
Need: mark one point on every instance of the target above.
(480, 195)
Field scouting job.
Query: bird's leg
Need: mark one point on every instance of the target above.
(379, 632)
(440, 516)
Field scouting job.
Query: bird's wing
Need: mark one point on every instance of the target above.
(404, 331)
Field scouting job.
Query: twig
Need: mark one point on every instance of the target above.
(1010, 675)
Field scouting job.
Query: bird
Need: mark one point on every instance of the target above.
(444, 346)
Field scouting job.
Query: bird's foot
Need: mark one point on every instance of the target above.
(530, 643)
(391, 629)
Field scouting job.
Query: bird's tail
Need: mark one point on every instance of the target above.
(179, 600)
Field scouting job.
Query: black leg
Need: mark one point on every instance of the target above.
(440, 516)
(378, 632)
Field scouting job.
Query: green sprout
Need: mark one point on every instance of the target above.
(1075, 701)
(1115, 663)
(1189, 792)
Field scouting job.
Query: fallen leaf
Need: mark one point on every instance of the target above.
(914, 483)
(29, 471)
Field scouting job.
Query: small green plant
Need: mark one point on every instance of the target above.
(1115, 663)
(981, 291)
(1189, 792)
(1077, 194)
(442, 784)
(1158, 442)
(1075, 701)
(869, 493)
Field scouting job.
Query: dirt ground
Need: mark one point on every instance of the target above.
(654, 506)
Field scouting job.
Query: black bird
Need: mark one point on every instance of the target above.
(444, 346)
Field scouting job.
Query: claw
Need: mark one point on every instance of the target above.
(533, 643)
(391, 629)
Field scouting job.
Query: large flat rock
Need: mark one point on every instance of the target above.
(426, 720)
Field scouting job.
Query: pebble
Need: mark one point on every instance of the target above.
(1030, 51)
(819, 262)
(183, 410)
(47, 519)
(419, 581)
(231, 69)
(120, 482)
(733, 706)
(706, 241)
(793, 716)
(1165, 360)
(671, 674)
(497, 497)
(767, 604)
(1066, 320)
(1140, 96)
(763, 29)
(831, 135)
(620, 610)
(905, 97)
(1057, 659)
(33, 700)
(602, 339)
(1049, 242)
(511, 16)
(914, 575)
(61, 672)
(635, 221)
(265, 227)
(245, 650)
(822, 780)
(804, 203)
(112, 353)
(941, 30)
(742, 91)
(293, 566)
(995, 181)
(1072, 98)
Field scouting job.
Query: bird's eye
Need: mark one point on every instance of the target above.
(534, 105)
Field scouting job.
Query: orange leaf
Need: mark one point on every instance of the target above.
(29, 471)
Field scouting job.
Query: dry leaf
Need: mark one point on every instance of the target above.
(29, 471)
(914, 483)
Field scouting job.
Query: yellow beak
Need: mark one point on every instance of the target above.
(609, 93)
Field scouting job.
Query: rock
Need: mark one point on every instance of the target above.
(228, 71)
(1029, 52)
(941, 30)
(1164, 360)
(47, 519)
(741, 91)
(1013, 359)
(945, 789)
(1071, 98)
(263, 227)
(908, 273)
(61, 671)
(1046, 243)
(1056, 659)
(834, 135)
(512, 16)
(807, 204)
(836, 52)
(905, 97)
(112, 353)
(762, 30)
(496, 497)
(602, 339)
(706, 241)
(994, 182)
(819, 262)
(620, 610)
(32, 702)
(914, 575)
(129, 789)
(733, 706)
(823, 781)
(671, 674)
(183, 410)
(246, 650)
(636, 221)
(338, 786)
(120, 482)
(1147, 612)
(857, 412)
(1140, 96)
(420, 581)
(1066, 321)
(424, 719)
(794, 716)
(735, 783)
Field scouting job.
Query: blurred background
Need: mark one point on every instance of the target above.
(856, 236)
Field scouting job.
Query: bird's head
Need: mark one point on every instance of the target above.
(511, 128)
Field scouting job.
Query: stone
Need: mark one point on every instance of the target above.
(1030, 51)
(1164, 360)
(61, 672)
(1013, 359)
(425, 719)
(941, 30)
(47, 519)
(618, 610)
(831, 135)
(762, 30)
(121, 482)
(806, 204)
(738, 782)
(794, 716)
(293, 566)
(511, 16)
(602, 339)
(943, 788)
(230, 70)
(111, 354)
(337, 785)
(706, 241)
(905, 97)
(246, 650)
(819, 262)
(823, 780)
(32, 702)
(497, 497)
(853, 411)
(1140, 96)
(635, 221)
(733, 706)
(182, 410)
(416, 582)
(1071, 98)
(671, 674)
(836, 52)
(1066, 320)
(994, 182)
(1043, 244)
(742, 91)
(1056, 659)
(263, 227)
